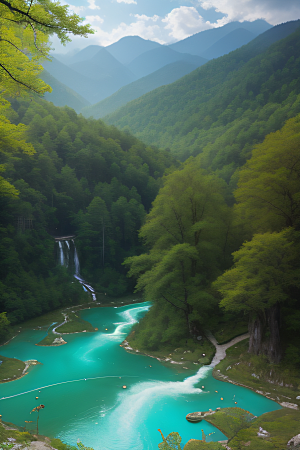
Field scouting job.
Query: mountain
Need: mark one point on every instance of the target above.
(61, 95)
(157, 58)
(229, 103)
(166, 75)
(88, 52)
(99, 76)
(130, 47)
(84, 86)
(200, 42)
(233, 40)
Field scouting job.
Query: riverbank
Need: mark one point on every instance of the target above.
(275, 382)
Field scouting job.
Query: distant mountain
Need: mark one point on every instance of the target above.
(222, 108)
(156, 59)
(130, 47)
(233, 40)
(103, 65)
(200, 42)
(88, 52)
(84, 86)
(62, 95)
(166, 75)
(95, 79)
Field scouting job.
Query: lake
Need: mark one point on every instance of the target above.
(81, 385)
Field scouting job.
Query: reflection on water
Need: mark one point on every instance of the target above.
(81, 386)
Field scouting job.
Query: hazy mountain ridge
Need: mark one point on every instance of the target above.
(166, 75)
(96, 72)
(193, 112)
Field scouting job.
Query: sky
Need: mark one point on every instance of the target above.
(168, 21)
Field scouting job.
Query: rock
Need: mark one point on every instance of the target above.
(289, 405)
(298, 397)
(294, 441)
(262, 433)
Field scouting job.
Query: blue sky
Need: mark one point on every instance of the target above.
(167, 21)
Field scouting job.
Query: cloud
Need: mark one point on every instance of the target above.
(94, 19)
(184, 22)
(127, 1)
(273, 11)
(92, 5)
(74, 9)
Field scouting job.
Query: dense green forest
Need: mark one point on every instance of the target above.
(82, 176)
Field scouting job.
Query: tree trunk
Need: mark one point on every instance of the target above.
(264, 334)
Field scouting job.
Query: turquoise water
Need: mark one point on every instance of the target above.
(80, 385)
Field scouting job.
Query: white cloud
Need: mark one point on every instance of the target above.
(273, 11)
(184, 22)
(74, 9)
(94, 19)
(92, 5)
(127, 1)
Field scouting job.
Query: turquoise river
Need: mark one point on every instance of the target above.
(81, 386)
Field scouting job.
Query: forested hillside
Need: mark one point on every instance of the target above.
(230, 103)
(78, 177)
(191, 232)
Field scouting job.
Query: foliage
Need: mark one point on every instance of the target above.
(230, 420)
(81, 172)
(171, 442)
(25, 27)
(195, 444)
(268, 192)
(282, 425)
(188, 234)
(264, 270)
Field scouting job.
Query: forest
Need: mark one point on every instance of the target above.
(207, 227)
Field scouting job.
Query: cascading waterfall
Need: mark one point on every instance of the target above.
(61, 254)
(68, 257)
(76, 260)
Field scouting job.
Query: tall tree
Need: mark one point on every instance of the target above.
(187, 236)
(268, 192)
(265, 269)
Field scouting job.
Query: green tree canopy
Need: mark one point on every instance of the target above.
(268, 192)
(187, 234)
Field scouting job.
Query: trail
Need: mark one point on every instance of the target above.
(221, 349)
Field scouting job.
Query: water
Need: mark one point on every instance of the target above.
(80, 385)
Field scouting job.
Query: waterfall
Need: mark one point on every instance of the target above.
(61, 253)
(68, 257)
(76, 260)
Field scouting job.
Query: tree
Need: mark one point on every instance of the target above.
(264, 271)
(187, 236)
(25, 26)
(268, 192)
(4, 325)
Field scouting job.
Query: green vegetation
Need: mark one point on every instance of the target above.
(281, 425)
(230, 420)
(10, 368)
(280, 382)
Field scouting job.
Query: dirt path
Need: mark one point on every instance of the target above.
(221, 349)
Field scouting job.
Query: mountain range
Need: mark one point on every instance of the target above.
(96, 73)
(229, 103)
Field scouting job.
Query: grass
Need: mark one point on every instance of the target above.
(20, 436)
(189, 354)
(10, 368)
(230, 420)
(194, 444)
(276, 381)
(282, 425)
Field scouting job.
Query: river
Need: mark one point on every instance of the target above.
(81, 386)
